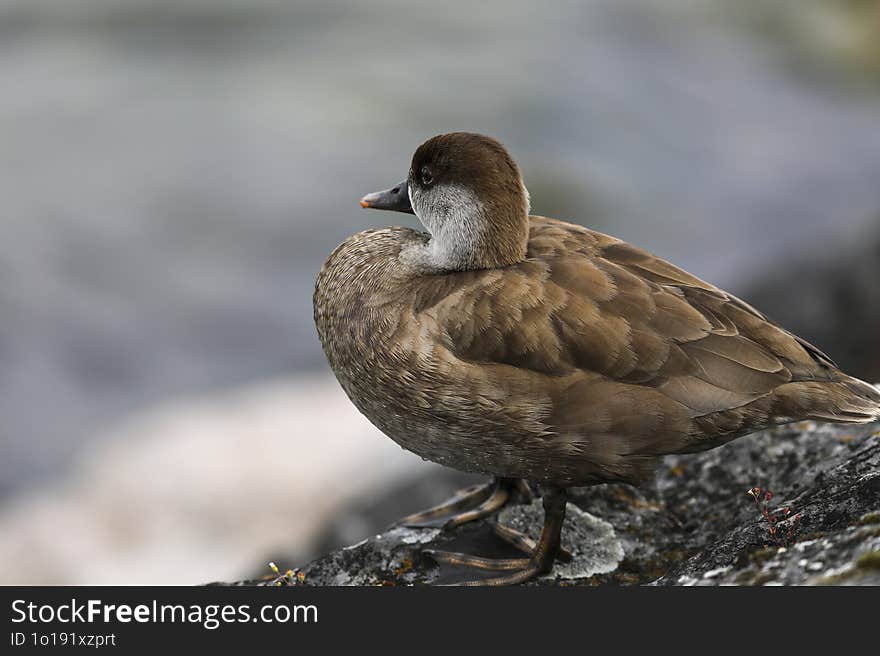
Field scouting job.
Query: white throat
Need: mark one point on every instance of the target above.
(455, 218)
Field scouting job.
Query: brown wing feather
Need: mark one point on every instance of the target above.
(587, 305)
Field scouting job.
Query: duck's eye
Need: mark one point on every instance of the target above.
(427, 178)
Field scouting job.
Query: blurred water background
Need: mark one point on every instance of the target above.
(173, 172)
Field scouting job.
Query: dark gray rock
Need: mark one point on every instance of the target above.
(694, 524)
(831, 297)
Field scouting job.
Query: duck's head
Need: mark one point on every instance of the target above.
(467, 191)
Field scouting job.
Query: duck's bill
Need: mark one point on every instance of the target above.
(395, 199)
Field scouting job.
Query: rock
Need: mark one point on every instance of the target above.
(395, 556)
(694, 524)
(594, 546)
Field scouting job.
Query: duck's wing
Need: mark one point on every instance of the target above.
(585, 302)
(727, 353)
(652, 268)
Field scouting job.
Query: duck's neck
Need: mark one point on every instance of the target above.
(471, 236)
(446, 252)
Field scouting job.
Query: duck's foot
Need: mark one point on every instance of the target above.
(541, 555)
(471, 504)
(525, 544)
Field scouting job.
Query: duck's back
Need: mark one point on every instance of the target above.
(579, 364)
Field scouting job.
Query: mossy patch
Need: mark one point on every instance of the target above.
(763, 554)
(869, 560)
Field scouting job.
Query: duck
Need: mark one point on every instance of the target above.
(544, 354)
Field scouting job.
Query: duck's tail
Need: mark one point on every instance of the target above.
(847, 400)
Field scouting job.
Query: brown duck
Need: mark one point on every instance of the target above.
(539, 351)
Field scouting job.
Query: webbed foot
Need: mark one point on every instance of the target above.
(471, 504)
(541, 556)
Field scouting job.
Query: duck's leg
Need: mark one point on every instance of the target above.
(539, 562)
(525, 544)
(471, 504)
